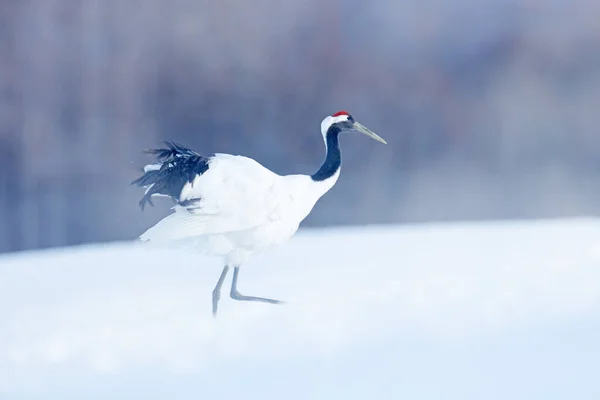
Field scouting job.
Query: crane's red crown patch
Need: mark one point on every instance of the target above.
(337, 114)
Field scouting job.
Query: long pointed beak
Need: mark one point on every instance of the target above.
(364, 130)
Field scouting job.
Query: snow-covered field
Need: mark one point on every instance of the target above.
(451, 311)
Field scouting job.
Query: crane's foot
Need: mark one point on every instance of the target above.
(238, 296)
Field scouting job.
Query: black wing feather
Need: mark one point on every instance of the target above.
(179, 165)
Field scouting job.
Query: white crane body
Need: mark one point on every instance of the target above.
(238, 207)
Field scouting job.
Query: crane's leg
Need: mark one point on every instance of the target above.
(216, 295)
(237, 296)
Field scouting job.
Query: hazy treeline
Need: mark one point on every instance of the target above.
(491, 108)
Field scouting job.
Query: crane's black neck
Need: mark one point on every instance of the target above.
(333, 158)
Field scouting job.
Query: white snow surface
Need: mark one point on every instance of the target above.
(496, 310)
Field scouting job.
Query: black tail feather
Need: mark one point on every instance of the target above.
(179, 165)
(174, 151)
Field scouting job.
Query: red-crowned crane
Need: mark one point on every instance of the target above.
(231, 206)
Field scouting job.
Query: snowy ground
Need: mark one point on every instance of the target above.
(458, 311)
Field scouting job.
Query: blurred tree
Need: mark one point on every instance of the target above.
(490, 108)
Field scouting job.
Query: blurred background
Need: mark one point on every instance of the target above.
(491, 108)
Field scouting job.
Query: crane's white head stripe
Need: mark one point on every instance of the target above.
(330, 120)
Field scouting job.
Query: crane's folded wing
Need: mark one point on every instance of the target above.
(235, 193)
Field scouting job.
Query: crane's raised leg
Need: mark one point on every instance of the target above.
(237, 296)
(216, 295)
